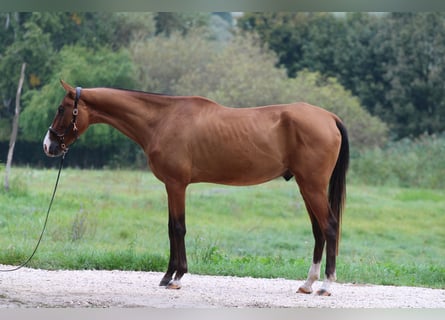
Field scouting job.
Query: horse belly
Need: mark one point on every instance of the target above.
(242, 166)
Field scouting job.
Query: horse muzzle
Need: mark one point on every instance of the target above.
(52, 148)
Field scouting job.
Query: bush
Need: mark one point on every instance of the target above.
(416, 162)
(161, 61)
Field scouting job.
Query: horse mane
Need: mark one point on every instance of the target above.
(140, 91)
(141, 95)
(164, 95)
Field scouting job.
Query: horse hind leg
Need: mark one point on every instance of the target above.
(314, 271)
(325, 231)
(331, 254)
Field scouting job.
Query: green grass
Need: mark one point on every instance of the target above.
(118, 220)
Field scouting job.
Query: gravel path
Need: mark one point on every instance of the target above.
(42, 288)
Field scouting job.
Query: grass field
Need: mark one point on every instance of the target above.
(118, 220)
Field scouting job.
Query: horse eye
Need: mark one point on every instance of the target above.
(60, 110)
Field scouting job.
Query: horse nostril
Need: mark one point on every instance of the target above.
(53, 148)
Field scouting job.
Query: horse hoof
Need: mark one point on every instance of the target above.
(174, 284)
(304, 290)
(164, 282)
(323, 293)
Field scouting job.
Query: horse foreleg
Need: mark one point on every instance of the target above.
(172, 265)
(177, 265)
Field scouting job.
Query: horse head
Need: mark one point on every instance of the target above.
(69, 122)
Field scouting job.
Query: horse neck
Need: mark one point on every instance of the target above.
(133, 113)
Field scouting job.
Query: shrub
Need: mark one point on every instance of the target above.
(408, 162)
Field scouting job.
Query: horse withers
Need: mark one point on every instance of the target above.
(190, 139)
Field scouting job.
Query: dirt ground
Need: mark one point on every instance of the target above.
(31, 288)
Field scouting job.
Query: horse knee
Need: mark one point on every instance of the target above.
(180, 230)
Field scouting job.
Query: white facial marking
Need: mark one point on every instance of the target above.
(46, 143)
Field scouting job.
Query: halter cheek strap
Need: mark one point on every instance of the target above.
(75, 109)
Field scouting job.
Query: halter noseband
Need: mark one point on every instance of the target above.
(72, 126)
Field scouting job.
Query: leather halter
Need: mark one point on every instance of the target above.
(72, 126)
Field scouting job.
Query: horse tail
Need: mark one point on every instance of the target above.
(337, 183)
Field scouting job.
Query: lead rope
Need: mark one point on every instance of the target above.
(44, 225)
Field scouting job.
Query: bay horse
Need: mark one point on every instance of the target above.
(190, 139)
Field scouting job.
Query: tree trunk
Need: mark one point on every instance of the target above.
(15, 126)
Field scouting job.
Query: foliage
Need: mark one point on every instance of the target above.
(415, 101)
(132, 26)
(301, 40)
(168, 23)
(5, 129)
(161, 61)
(25, 42)
(118, 220)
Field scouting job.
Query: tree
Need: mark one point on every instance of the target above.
(415, 100)
(29, 44)
(131, 26)
(182, 22)
(360, 65)
(15, 126)
(301, 40)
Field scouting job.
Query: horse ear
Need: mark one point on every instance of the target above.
(67, 87)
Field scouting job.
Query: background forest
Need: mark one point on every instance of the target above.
(382, 73)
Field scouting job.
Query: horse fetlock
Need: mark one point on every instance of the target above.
(325, 288)
(174, 284)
